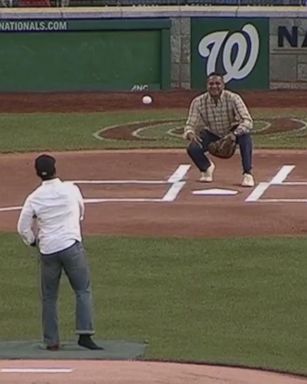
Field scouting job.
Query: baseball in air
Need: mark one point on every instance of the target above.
(147, 99)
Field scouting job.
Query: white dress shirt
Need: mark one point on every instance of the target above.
(51, 216)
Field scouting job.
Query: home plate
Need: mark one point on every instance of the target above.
(215, 191)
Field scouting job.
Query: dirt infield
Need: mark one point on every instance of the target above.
(101, 102)
(115, 372)
(151, 193)
(143, 176)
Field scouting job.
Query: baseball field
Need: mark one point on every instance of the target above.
(205, 275)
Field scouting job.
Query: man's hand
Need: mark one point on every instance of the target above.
(231, 135)
(224, 147)
(191, 136)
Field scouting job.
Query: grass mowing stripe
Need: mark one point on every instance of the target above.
(240, 301)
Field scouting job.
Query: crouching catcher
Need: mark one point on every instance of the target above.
(214, 115)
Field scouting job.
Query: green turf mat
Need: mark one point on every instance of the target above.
(34, 350)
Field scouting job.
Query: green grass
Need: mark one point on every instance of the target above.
(74, 131)
(232, 301)
(67, 131)
(238, 301)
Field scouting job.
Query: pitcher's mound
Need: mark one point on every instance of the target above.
(34, 350)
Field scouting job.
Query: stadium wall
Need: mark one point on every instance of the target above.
(138, 48)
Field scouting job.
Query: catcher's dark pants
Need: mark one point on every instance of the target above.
(197, 152)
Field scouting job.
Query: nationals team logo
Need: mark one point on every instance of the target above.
(239, 51)
(236, 49)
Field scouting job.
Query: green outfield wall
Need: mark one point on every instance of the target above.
(154, 47)
(84, 55)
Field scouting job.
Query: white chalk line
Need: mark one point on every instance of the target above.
(138, 132)
(123, 199)
(119, 181)
(294, 183)
(179, 174)
(7, 209)
(36, 370)
(282, 174)
(283, 200)
(277, 180)
(173, 192)
(175, 180)
(135, 133)
(257, 192)
(177, 183)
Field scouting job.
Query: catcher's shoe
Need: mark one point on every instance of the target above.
(207, 177)
(248, 180)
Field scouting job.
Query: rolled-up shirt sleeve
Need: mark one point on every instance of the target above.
(25, 223)
(243, 116)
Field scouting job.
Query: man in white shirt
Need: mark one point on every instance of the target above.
(50, 219)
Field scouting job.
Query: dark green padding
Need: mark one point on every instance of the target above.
(80, 61)
(34, 350)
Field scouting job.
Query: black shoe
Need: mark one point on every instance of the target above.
(53, 347)
(87, 342)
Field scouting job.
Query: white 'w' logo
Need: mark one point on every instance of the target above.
(240, 66)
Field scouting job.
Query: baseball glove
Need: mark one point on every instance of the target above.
(224, 147)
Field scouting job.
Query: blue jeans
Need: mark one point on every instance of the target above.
(197, 153)
(73, 261)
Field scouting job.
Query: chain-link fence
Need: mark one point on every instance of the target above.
(89, 3)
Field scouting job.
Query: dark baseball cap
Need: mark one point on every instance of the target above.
(45, 166)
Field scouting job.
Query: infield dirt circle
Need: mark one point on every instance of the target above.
(151, 199)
